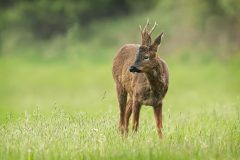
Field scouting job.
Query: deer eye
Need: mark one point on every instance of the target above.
(146, 58)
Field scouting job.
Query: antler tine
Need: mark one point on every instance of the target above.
(155, 24)
(140, 27)
(146, 26)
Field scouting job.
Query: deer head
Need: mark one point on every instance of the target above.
(146, 58)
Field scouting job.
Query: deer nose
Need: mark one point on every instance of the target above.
(133, 69)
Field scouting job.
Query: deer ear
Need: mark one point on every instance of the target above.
(156, 42)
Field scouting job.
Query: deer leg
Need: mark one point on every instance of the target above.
(158, 118)
(122, 99)
(128, 114)
(136, 107)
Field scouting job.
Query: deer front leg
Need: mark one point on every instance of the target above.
(122, 99)
(128, 114)
(136, 107)
(158, 118)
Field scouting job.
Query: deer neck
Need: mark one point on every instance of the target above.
(155, 79)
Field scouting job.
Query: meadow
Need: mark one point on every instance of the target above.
(67, 109)
(58, 98)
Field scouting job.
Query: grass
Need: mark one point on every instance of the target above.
(67, 109)
(206, 135)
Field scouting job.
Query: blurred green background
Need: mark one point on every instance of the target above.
(59, 53)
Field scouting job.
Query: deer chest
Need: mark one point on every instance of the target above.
(146, 96)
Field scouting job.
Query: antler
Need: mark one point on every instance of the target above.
(146, 36)
(146, 26)
(155, 25)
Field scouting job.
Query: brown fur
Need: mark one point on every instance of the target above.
(147, 85)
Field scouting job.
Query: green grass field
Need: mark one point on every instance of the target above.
(58, 99)
(67, 109)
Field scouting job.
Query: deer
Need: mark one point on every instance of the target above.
(141, 78)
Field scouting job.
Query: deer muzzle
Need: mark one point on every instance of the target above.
(134, 69)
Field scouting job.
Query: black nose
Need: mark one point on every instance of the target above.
(134, 69)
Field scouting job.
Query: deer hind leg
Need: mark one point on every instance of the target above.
(122, 99)
(158, 118)
(136, 107)
(128, 114)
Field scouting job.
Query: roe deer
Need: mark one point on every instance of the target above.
(141, 78)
